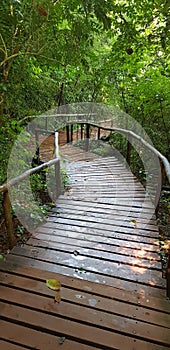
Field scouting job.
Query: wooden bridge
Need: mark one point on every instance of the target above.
(101, 241)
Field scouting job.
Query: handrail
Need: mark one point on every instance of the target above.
(139, 138)
(129, 135)
(6, 198)
(5, 187)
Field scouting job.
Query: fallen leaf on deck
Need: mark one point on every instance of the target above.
(61, 340)
(134, 223)
(57, 297)
(53, 284)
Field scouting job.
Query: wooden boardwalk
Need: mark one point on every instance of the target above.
(101, 241)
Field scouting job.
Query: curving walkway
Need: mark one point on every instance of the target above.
(101, 240)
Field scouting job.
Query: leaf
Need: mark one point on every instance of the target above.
(53, 284)
(61, 340)
(134, 223)
(1, 257)
(57, 297)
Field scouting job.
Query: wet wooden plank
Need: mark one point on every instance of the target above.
(36, 339)
(132, 257)
(103, 230)
(132, 286)
(80, 314)
(113, 206)
(113, 221)
(77, 317)
(89, 264)
(125, 308)
(105, 243)
(73, 231)
(16, 267)
(107, 210)
(83, 247)
(5, 345)
(118, 216)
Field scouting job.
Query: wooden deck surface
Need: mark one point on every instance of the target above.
(89, 315)
(101, 241)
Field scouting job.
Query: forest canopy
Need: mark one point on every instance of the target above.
(111, 51)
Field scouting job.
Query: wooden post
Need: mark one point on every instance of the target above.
(71, 132)
(98, 134)
(129, 147)
(8, 219)
(158, 190)
(87, 137)
(82, 131)
(77, 132)
(57, 166)
(67, 133)
(57, 179)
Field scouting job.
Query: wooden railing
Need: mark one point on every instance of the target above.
(129, 135)
(165, 165)
(4, 189)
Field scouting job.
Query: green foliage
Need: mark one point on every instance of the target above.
(64, 178)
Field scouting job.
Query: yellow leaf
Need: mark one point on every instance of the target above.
(134, 223)
(58, 297)
(53, 284)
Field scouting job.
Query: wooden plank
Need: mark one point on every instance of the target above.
(83, 315)
(71, 245)
(105, 206)
(105, 243)
(105, 220)
(106, 268)
(118, 307)
(98, 210)
(135, 258)
(114, 201)
(105, 338)
(77, 232)
(110, 292)
(36, 339)
(132, 286)
(5, 345)
(97, 228)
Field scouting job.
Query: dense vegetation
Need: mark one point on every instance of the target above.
(58, 52)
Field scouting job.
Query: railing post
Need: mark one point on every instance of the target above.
(77, 132)
(67, 133)
(129, 147)
(57, 179)
(98, 134)
(87, 137)
(8, 219)
(71, 132)
(57, 166)
(82, 131)
(37, 145)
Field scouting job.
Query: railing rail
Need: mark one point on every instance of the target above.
(129, 135)
(4, 189)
